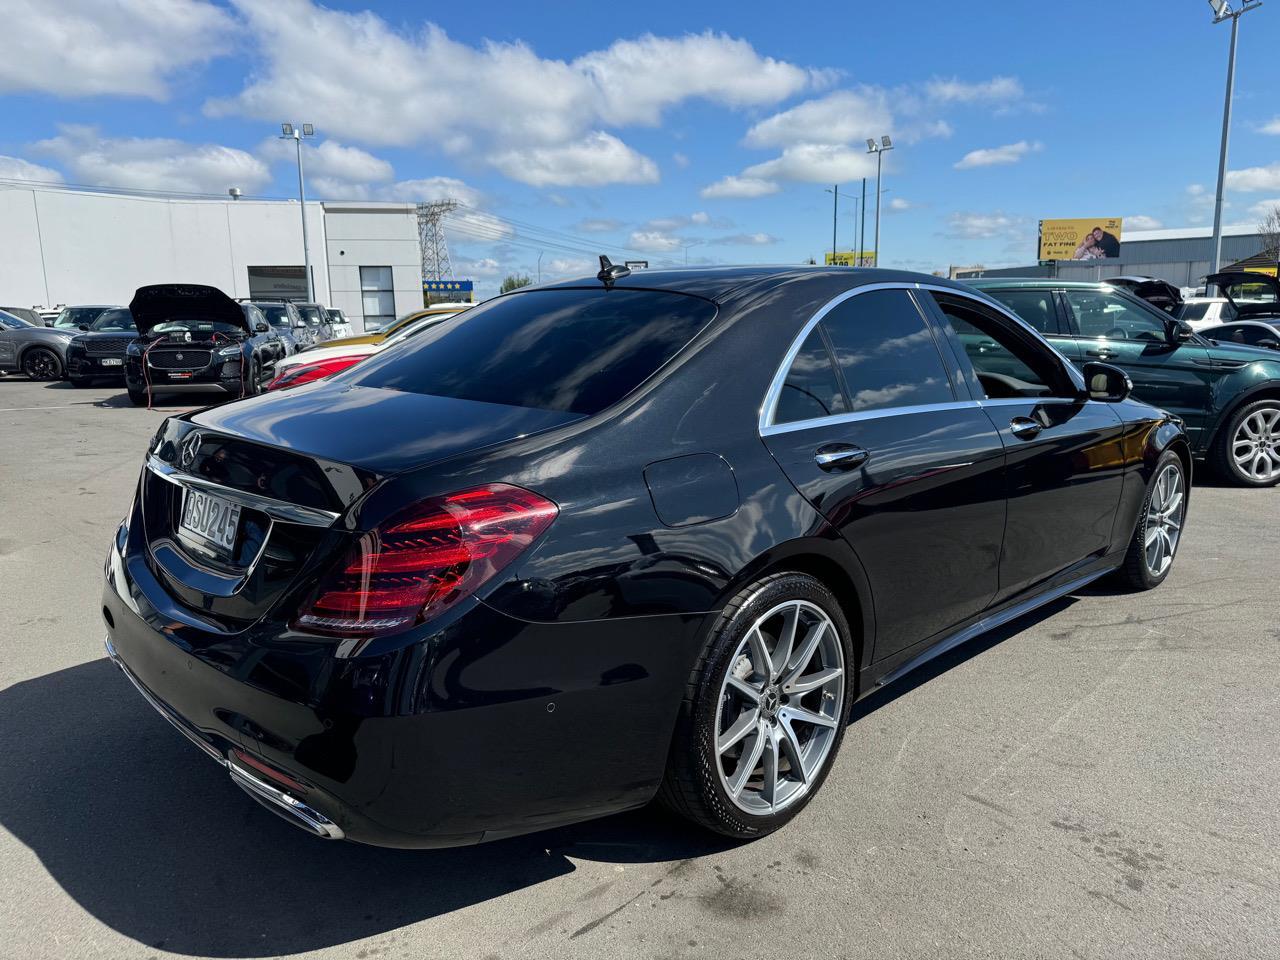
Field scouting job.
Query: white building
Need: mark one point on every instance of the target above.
(61, 246)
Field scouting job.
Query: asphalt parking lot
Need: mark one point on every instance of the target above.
(1096, 780)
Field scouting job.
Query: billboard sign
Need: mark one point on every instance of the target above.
(1093, 238)
(440, 291)
(851, 258)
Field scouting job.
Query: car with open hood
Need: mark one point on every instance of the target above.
(37, 351)
(616, 538)
(98, 351)
(193, 338)
(1228, 394)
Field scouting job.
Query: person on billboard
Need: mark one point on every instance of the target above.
(1088, 249)
(1107, 243)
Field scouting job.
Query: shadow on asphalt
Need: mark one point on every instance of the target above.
(153, 840)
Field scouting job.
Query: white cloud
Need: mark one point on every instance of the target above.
(481, 268)
(995, 90)
(839, 117)
(654, 241)
(993, 156)
(1253, 179)
(680, 160)
(1260, 210)
(747, 240)
(1141, 222)
(815, 163)
(153, 163)
(745, 188)
(539, 120)
(15, 168)
(598, 225)
(425, 189)
(595, 160)
(1272, 127)
(75, 48)
(982, 226)
(900, 204)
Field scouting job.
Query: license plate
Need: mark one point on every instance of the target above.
(112, 362)
(181, 375)
(210, 518)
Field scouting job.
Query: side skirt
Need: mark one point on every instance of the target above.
(987, 623)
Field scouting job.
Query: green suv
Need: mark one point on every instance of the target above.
(1228, 395)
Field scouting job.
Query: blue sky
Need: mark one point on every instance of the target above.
(663, 130)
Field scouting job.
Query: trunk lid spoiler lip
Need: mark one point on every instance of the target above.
(163, 302)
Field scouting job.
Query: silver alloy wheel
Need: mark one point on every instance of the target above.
(779, 708)
(1256, 445)
(1164, 520)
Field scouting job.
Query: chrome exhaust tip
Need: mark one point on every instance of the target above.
(283, 805)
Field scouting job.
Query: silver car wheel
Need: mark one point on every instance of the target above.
(779, 708)
(1164, 519)
(1256, 445)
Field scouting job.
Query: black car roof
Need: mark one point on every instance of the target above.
(720, 283)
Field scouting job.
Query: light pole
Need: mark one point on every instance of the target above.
(289, 132)
(1222, 11)
(879, 149)
(862, 231)
(835, 203)
(539, 266)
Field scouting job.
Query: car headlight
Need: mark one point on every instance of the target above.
(229, 351)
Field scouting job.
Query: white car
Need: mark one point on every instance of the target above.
(1203, 312)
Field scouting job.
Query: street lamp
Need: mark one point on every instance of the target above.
(1222, 11)
(879, 149)
(289, 132)
(834, 190)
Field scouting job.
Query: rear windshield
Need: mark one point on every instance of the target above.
(575, 351)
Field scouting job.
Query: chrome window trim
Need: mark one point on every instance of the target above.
(768, 407)
(275, 509)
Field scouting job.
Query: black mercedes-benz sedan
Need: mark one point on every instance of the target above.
(624, 537)
(195, 339)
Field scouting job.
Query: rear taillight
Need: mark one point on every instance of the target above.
(424, 559)
(302, 373)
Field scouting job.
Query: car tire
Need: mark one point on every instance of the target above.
(41, 365)
(701, 774)
(138, 397)
(1162, 519)
(1254, 430)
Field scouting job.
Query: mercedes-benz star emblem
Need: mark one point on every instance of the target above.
(190, 447)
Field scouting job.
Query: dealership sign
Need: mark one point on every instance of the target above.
(851, 258)
(1095, 238)
(448, 286)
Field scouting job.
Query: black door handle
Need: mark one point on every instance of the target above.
(1024, 428)
(840, 456)
(1100, 354)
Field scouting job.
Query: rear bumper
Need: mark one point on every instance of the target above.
(489, 728)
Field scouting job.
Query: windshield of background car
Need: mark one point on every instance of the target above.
(575, 351)
(277, 316)
(74, 316)
(195, 325)
(115, 320)
(313, 315)
(12, 322)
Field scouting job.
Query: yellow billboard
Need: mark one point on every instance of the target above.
(851, 258)
(1094, 238)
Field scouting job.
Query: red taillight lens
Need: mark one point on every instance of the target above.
(307, 372)
(425, 559)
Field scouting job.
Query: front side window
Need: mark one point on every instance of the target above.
(377, 297)
(1006, 364)
(575, 351)
(1112, 317)
(812, 388)
(886, 352)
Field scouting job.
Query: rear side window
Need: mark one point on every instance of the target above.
(812, 388)
(886, 352)
(1033, 306)
(576, 351)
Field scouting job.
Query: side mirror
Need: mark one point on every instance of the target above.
(84, 326)
(1269, 343)
(300, 325)
(1176, 331)
(1106, 383)
(261, 327)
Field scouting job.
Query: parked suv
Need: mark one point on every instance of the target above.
(1227, 394)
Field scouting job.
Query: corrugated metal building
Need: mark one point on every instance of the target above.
(1180, 256)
